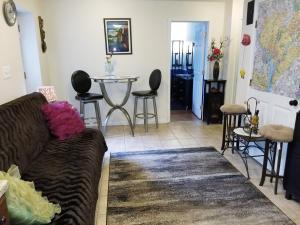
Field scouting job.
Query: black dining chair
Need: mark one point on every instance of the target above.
(82, 83)
(154, 83)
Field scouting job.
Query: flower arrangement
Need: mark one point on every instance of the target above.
(109, 58)
(109, 67)
(216, 52)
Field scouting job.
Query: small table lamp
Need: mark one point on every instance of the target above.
(48, 92)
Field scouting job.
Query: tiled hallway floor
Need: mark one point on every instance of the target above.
(182, 135)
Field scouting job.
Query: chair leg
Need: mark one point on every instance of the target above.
(278, 168)
(134, 111)
(224, 132)
(82, 110)
(239, 121)
(230, 133)
(265, 163)
(273, 162)
(145, 114)
(155, 111)
(98, 114)
(234, 141)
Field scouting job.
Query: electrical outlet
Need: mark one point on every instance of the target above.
(6, 74)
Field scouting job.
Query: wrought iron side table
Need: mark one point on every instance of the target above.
(245, 141)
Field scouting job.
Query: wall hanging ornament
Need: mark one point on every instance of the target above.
(242, 73)
(9, 12)
(43, 34)
(246, 41)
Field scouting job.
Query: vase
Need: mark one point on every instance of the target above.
(109, 68)
(216, 70)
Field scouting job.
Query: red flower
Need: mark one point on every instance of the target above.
(211, 59)
(216, 51)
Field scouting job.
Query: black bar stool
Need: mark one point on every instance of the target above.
(232, 118)
(274, 134)
(154, 83)
(82, 83)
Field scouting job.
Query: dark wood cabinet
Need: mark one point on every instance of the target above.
(291, 181)
(213, 99)
(181, 91)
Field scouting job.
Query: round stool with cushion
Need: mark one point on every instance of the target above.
(274, 134)
(232, 118)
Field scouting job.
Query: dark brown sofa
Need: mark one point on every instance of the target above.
(67, 172)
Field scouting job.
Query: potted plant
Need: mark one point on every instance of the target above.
(215, 57)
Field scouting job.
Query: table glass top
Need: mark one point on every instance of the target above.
(240, 131)
(115, 77)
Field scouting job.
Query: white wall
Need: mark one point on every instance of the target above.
(11, 55)
(246, 59)
(233, 30)
(76, 41)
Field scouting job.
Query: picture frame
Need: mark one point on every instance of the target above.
(250, 12)
(118, 37)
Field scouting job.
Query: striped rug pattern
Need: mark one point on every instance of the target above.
(184, 187)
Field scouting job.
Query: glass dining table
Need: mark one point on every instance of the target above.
(113, 79)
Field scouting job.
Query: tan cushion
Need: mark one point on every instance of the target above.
(233, 108)
(276, 132)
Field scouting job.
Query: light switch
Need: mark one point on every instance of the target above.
(6, 74)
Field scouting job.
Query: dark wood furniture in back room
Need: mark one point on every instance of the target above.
(182, 75)
(291, 181)
(213, 99)
(181, 91)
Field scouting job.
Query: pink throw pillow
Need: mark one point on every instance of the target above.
(63, 119)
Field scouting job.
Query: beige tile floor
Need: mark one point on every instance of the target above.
(181, 135)
(182, 115)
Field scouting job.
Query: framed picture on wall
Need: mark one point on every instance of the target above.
(118, 36)
(250, 12)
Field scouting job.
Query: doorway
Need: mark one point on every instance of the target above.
(188, 63)
(29, 51)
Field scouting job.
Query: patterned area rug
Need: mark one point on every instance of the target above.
(184, 187)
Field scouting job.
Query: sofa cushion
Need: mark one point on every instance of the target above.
(23, 131)
(63, 119)
(68, 173)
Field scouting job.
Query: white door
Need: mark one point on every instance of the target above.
(30, 51)
(199, 68)
(274, 108)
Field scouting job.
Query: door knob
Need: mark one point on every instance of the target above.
(294, 102)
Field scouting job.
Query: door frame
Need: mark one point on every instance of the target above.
(206, 72)
(29, 50)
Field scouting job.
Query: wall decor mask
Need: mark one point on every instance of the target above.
(43, 34)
